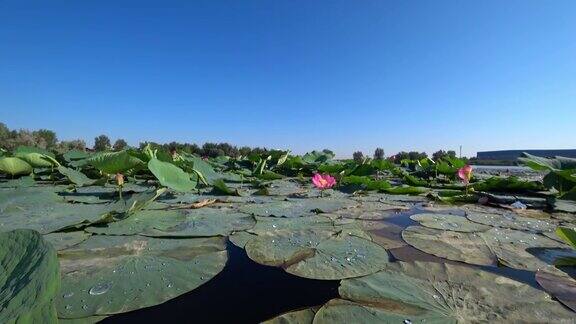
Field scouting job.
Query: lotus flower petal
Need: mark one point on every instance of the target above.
(465, 173)
(323, 181)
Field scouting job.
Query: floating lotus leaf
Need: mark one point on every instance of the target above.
(241, 238)
(559, 285)
(29, 278)
(318, 254)
(297, 207)
(76, 177)
(369, 211)
(457, 246)
(205, 222)
(304, 316)
(115, 274)
(170, 175)
(388, 236)
(14, 166)
(271, 225)
(523, 250)
(64, 240)
(18, 183)
(83, 320)
(448, 222)
(140, 222)
(511, 220)
(439, 293)
(283, 188)
(515, 249)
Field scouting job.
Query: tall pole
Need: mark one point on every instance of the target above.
(460, 151)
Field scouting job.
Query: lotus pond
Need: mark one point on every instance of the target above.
(147, 235)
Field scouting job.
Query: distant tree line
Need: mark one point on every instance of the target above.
(44, 138)
(358, 156)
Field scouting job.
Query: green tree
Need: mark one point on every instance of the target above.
(379, 154)
(101, 143)
(46, 137)
(120, 144)
(358, 156)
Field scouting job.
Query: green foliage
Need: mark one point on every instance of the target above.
(101, 143)
(170, 175)
(379, 154)
(568, 235)
(114, 162)
(358, 157)
(14, 166)
(119, 145)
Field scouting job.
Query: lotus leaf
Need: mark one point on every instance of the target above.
(303, 316)
(439, 293)
(318, 254)
(76, 177)
(139, 222)
(448, 222)
(64, 240)
(511, 220)
(14, 166)
(170, 175)
(29, 278)
(297, 207)
(114, 162)
(559, 285)
(115, 274)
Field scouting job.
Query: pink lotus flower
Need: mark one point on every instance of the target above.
(465, 173)
(323, 181)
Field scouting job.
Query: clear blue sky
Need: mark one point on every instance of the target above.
(299, 74)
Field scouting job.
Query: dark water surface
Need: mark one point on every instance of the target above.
(244, 292)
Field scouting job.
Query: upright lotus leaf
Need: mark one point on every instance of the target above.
(29, 278)
(542, 164)
(137, 201)
(303, 316)
(37, 160)
(204, 222)
(568, 235)
(297, 207)
(511, 220)
(457, 246)
(204, 168)
(318, 254)
(115, 274)
(565, 206)
(74, 155)
(448, 222)
(140, 222)
(64, 240)
(114, 162)
(507, 184)
(559, 285)
(170, 175)
(221, 188)
(14, 166)
(439, 293)
(32, 149)
(76, 177)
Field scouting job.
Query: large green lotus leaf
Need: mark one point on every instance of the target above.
(418, 292)
(271, 225)
(37, 160)
(14, 166)
(297, 207)
(511, 220)
(303, 316)
(457, 246)
(73, 155)
(523, 250)
(53, 216)
(32, 149)
(139, 222)
(114, 162)
(318, 254)
(64, 240)
(283, 188)
(541, 163)
(204, 168)
(241, 238)
(76, 177)
(205, 222)
(29, 278)
(507, 184)
(369, 211)
(116, 274)
(171, 176)
(21, 182)
(559, 285)
(515, 249)
(448, 222)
